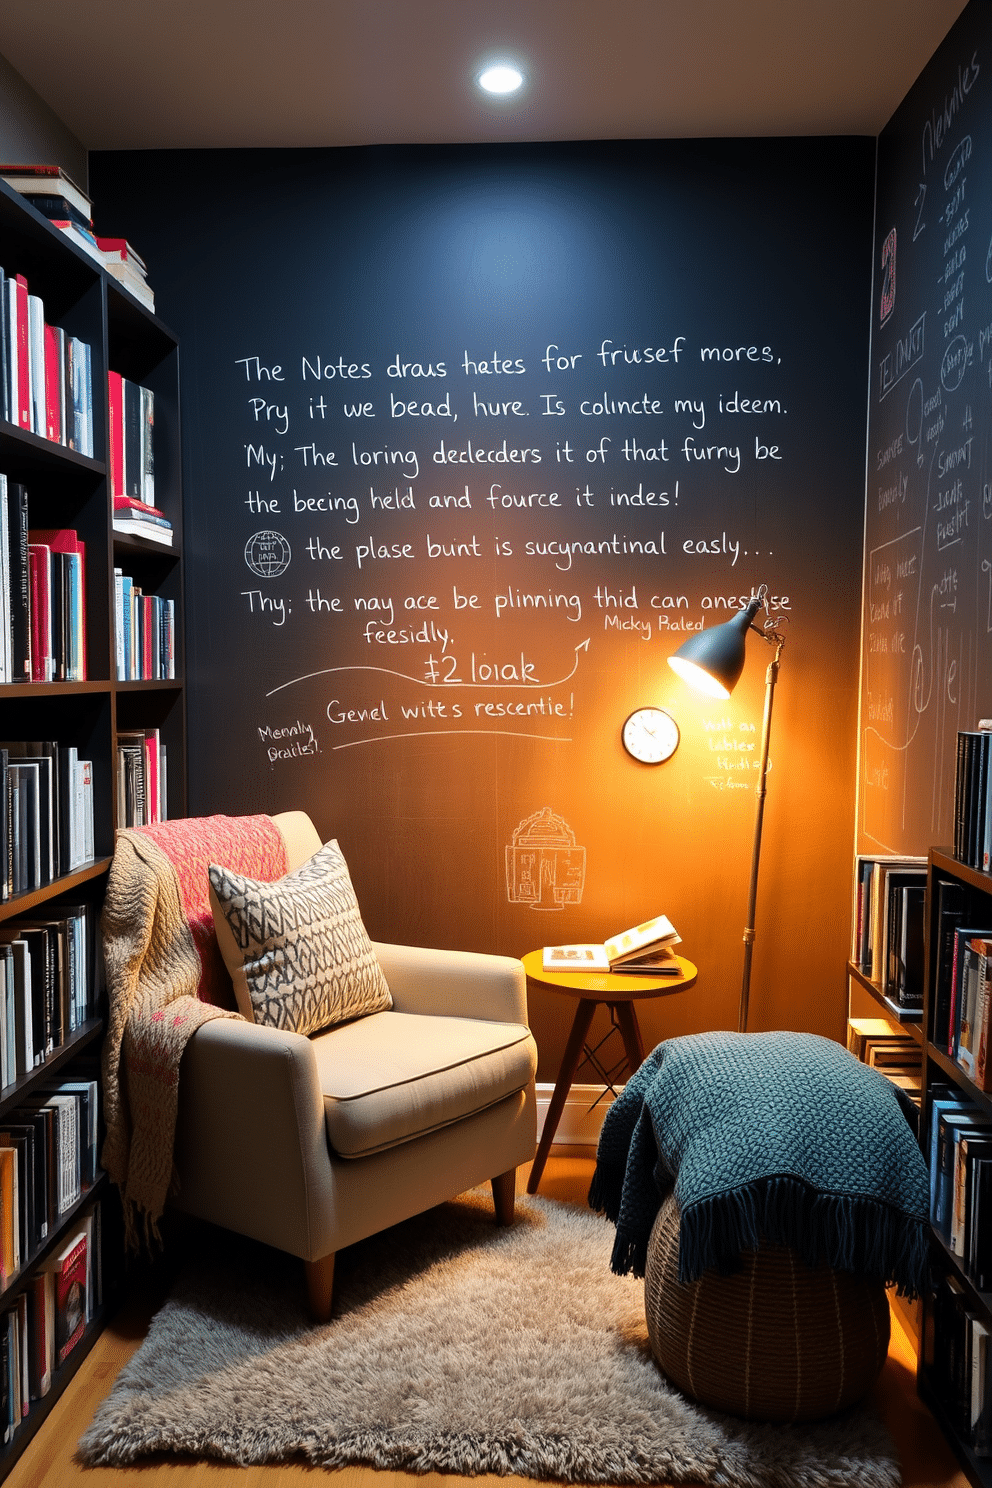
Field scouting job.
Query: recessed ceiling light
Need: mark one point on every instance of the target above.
(501, 78)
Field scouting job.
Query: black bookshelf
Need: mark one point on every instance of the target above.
(70, 490)
(939, 1067)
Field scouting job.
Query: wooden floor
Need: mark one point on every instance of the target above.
(48, 1461)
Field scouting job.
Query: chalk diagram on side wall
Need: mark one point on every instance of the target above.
(544, 866)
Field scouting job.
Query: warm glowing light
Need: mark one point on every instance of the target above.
(501, 78)
(696, 677)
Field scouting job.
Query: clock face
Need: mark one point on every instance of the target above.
(650, 735)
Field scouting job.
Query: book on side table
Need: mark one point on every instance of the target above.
(647, 949)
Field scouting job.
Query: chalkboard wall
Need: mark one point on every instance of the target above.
(928, 581)
(475, 437)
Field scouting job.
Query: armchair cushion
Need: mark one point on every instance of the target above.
(297, 951)
(394, 1076)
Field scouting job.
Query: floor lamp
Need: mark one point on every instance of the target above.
(712, 661)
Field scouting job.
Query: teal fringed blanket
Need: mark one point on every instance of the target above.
(784, 1136)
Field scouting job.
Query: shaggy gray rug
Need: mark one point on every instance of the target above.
(455, 1347)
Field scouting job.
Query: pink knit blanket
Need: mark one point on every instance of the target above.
(165, 977)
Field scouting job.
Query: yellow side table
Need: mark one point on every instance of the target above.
(618, 993)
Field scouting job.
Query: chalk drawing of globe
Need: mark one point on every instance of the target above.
(267, 554)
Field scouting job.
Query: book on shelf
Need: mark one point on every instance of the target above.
(54, 368)
(36, 364)
(963, 999)
(132, 426)
(131, 524)
(956, 1363)
(60, 1111)
(47, 985)
(143, 509)
(69, 1273)
(68, 589)
(950, 1121)
(77, 232)
(40, 575)
(20, 1140)
(973, 797)
(46, 383)
(974, 952)
(18, 1009)
(21, 1137)
(896, 1055)
(46, 812)
(142, 795)
(41, 1326)
(969, 1147)
(144, 633)
(41, 1352)
(17, 587)
(42, 596)
(889, 910)
(952, 907)
(46, 181)
(128, 268)
(18, 350)
(10, 1240)
(862, 1033)
(648, 949)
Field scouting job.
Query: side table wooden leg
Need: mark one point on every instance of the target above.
(569, 1064)
(630, 1033)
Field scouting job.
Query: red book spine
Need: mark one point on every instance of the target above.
(116, 404)
(70, 1299)
(40, 569)
(135, 504)
(151, 779)
(66, 540)
(53, 384)
(148, 619)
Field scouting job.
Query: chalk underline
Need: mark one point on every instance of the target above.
(452, 734)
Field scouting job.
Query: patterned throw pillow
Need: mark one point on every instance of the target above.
(297, 950)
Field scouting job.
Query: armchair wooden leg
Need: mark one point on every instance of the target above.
(320, 1286)
(504, 1195)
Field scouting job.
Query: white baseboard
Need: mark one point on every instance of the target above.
(579, 1125)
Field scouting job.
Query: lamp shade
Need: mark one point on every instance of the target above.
(712, 660)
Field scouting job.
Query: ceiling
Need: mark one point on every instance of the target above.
(195, 73)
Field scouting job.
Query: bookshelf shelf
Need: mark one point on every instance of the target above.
(70, 491)
(23, 451)
(978, 1470)
(20, 904)
(145, 546)
(911, 1019)
(84, 1037)
(11, 1452)
(20, 691)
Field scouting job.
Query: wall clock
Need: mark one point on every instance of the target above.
(650, 735)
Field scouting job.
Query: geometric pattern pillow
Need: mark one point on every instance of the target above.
(297, 950)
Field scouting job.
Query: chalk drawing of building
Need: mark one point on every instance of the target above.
(544, 868)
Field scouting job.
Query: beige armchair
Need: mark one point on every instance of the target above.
(312, 1143)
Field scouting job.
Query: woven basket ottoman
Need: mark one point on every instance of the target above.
(775, 1341)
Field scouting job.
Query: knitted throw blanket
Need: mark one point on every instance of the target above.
(778, 1136)
(165, 978)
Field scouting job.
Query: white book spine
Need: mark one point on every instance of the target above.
(36, 363)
